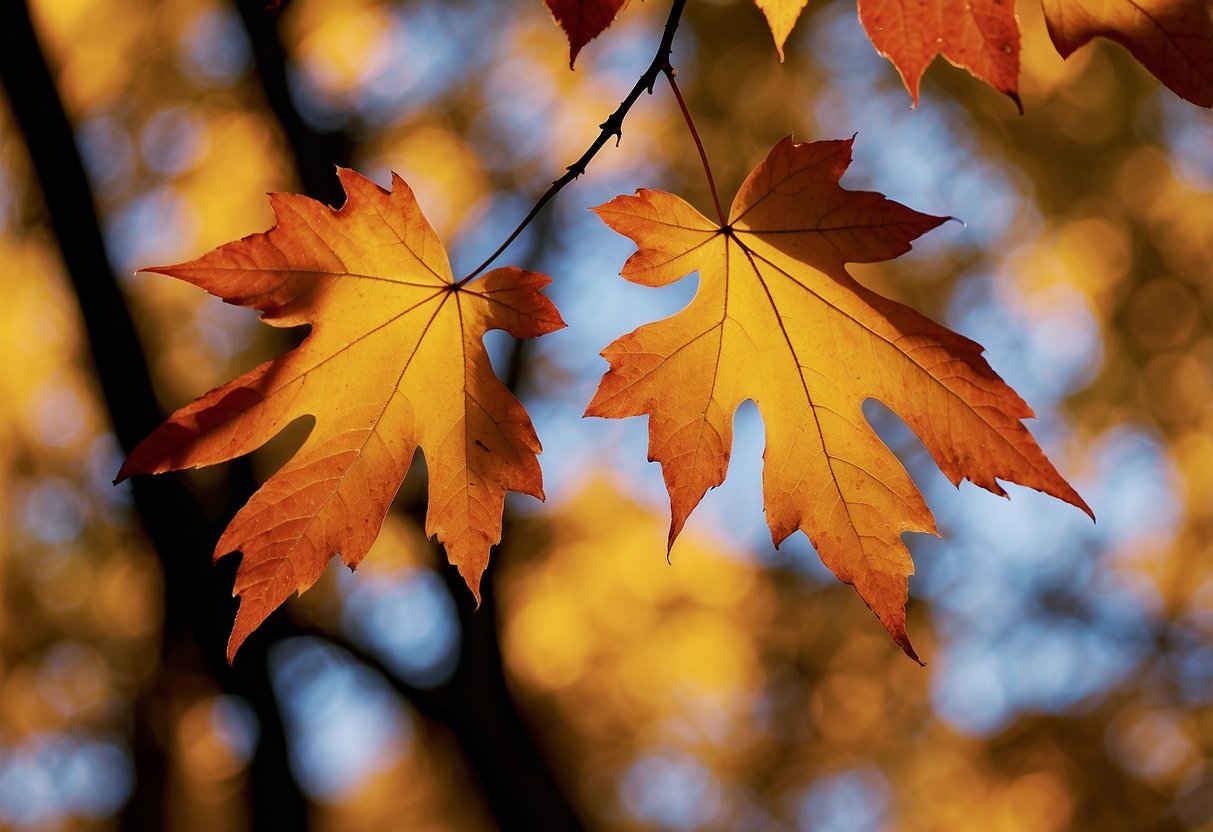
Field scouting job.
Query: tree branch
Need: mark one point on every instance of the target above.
(613, 126)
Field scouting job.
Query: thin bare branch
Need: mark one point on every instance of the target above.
(613, 126)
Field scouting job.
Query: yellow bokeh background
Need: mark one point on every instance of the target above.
(731, 686)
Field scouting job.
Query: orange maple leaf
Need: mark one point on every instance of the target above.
(981, 36)
(778, 319)
(1173, 39)
(394, 362)
(583, 20)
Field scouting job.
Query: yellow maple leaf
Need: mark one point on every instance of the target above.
(394, 362)
(781, 18)
(778, 320)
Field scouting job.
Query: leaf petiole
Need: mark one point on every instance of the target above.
(670, 72)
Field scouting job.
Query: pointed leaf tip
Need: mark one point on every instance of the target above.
(903, 641)
(781, 17)
(583, 20)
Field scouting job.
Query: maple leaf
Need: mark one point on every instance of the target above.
(1173, 39)
(778, 319)
(981, 36)
(583, 20)
(394, 362)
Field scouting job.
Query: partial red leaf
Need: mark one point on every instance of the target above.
(981, 36)
(394, 362)
(777, 319)
(583, 20)
(1173, 39)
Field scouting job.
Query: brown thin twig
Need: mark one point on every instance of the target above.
(613, 126)
(703, 156)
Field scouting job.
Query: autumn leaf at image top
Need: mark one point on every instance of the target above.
(583, 20)
(777, 319)
(394, 361)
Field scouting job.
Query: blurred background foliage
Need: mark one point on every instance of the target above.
(1070, 667)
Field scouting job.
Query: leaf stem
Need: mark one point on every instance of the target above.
(670, 72)
(613, 126)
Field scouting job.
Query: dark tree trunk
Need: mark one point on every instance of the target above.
(197, 608)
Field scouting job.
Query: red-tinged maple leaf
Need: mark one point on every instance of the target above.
(583, 20)
(981, 36)
(1173, 39)
(778, 319)
(394, 361)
